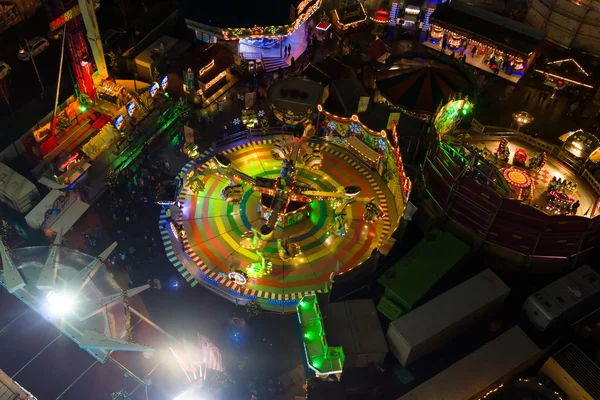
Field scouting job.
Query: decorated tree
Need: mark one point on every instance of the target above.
(253, 309)
(182, 108)
(265, 126)
(112, 179)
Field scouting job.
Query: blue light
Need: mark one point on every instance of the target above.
(153, 89)
(119, 122)
(131, 108)
(164, 82)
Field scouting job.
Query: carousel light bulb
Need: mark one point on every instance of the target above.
(59, 303)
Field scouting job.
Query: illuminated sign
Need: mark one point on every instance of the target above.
(206, 68)
(164, 82)
(238, 278)
(131, 108)
(215, 80)
(68, 16)
(153, 89)
(412, 10)
(302, 6)
(69, 161)
(119, 122)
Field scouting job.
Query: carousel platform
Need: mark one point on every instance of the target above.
(539, 181)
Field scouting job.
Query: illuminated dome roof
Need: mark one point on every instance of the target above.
(421, 81)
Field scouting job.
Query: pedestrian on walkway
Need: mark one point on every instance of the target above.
(285, 51)
(293, 61)
(289, 48)
(573, 108)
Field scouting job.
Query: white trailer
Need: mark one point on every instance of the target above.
(483, 370)
(438, 321)
(16, 191)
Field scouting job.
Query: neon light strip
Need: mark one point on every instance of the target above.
(354, 118)
(209, 66)
(564, 79)
(573, 61)
(215, 80)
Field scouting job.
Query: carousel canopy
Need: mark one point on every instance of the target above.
(421, 81)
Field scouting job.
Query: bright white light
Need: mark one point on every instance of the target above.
(59, 303)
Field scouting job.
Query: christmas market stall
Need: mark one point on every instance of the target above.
(348, 18)
(485, 40)
(294, 99)
(565, 74)
(416, 84)
(206, 73)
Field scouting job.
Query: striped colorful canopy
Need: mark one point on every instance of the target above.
(422, 84)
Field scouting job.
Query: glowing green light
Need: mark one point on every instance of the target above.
(317, 363)
(167, 95)
(309, 335)
(465, 111)
(304, 304)
(466, 106)
(82, 108)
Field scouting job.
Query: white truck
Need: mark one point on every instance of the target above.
(483, 370)
(438, 321)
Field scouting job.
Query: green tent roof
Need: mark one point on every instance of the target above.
(423, 266)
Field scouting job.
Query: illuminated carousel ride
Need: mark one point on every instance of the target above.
(281, 223)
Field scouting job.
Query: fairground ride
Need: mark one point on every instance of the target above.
(76, 18)
(285, 197)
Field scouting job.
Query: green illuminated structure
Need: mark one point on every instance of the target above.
(321, 358)
(450, 115)
(418, 271)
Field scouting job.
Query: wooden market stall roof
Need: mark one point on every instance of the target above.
(504, 33)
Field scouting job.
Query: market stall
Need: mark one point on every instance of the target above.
(323, 30)
(107, 136)
(113, 93)
(348, 18)
(490, 42)
(565, 74)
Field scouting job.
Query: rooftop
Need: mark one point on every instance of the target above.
(504, 32)
(295, 94)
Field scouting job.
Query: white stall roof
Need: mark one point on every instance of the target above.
(69, 216)
(36, 217)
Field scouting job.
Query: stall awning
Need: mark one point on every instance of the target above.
(364, 150)
(69, 216)
(505, 33)
(323, 26)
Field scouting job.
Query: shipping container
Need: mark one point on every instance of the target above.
(567, 299)
(484, 369)
(438, 321)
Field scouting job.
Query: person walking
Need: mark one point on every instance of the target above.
(289, 48)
